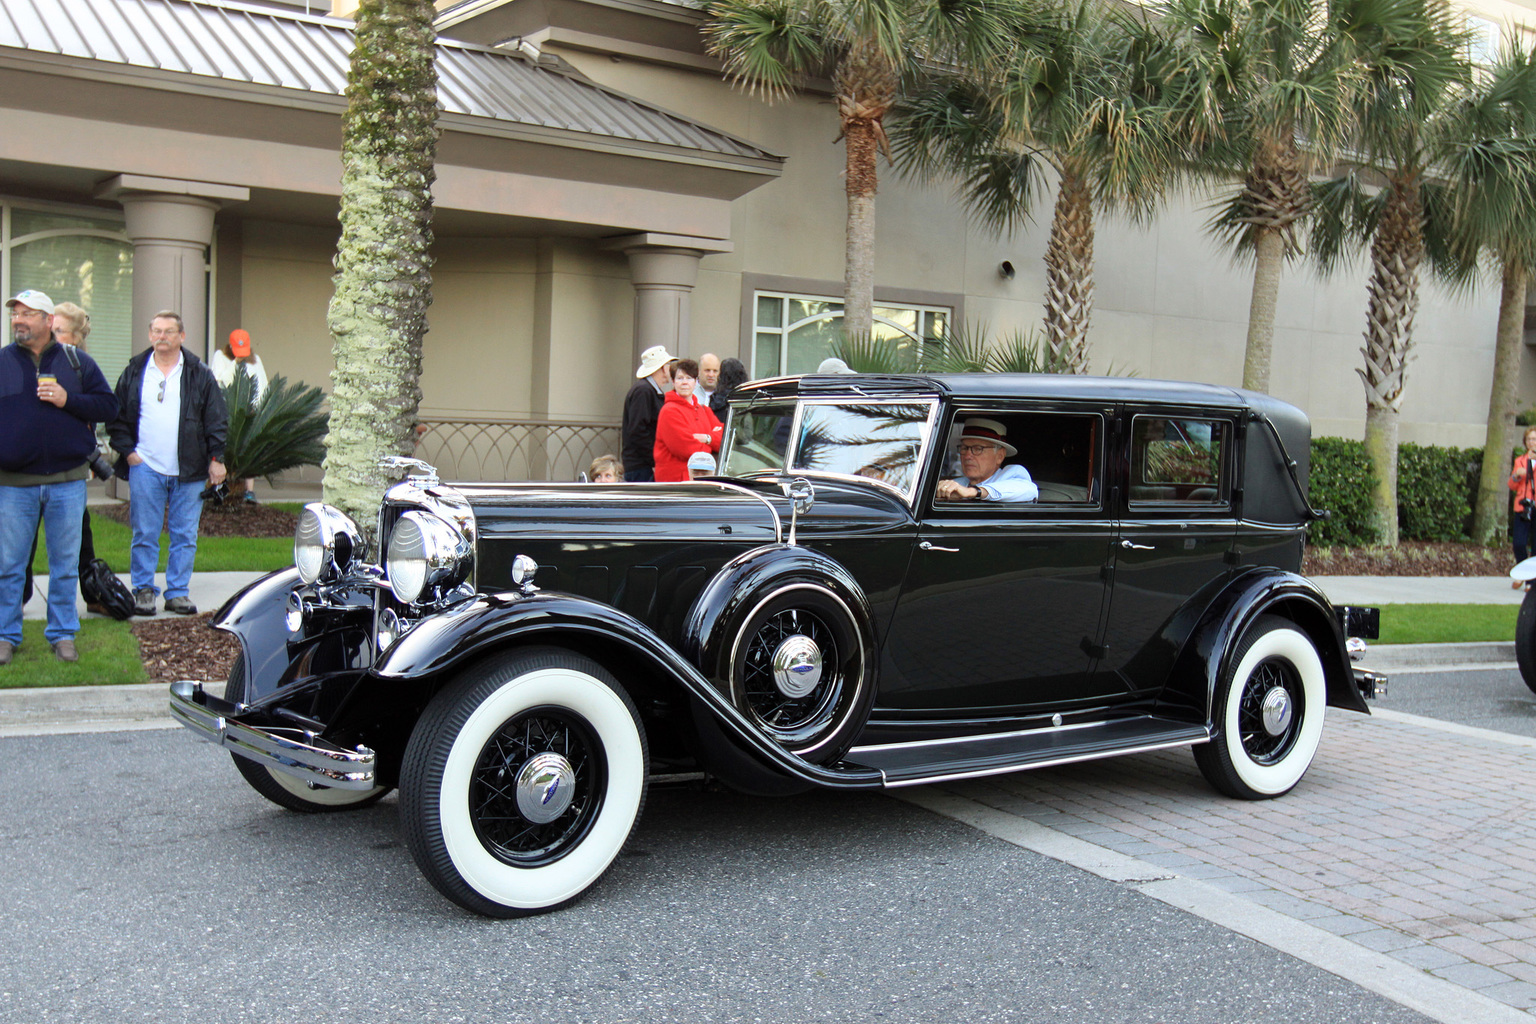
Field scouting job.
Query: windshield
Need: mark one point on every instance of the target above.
(880, 441)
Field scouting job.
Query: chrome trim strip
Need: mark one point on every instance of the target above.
(1041, 764)
(778, 524)
(909, 744)
(293, 751)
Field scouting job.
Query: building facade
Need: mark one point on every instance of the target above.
(600, 189)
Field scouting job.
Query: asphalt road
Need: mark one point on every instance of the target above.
(145, 882)
(1485, 698)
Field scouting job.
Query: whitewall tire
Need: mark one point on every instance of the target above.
(1267, 713)
(522, 782)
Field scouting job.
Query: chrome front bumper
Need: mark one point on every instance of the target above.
(288, 749)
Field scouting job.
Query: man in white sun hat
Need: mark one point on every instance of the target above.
(983, 447)
(641, 407)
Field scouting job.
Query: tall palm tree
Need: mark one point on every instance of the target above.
(1495, 177)
(867, 47)
(1404, 127)
(1087, 94)
(378, 312)
(1271, 74)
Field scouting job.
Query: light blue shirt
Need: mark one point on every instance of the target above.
(1010, 483)
(160, 418)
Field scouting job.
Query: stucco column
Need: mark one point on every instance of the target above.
(171, 226)
(664, 269)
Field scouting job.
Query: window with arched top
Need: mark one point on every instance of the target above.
(75, 256)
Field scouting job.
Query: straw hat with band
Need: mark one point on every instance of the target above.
(982, 429)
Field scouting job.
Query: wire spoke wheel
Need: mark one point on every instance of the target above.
(783, 713)
(540, 752)
(1270, 712)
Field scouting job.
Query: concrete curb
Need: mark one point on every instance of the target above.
(1387, 657)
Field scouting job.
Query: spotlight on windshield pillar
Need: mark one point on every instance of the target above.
(1005, 270)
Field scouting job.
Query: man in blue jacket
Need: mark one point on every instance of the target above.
(169, 435)
(50, 394)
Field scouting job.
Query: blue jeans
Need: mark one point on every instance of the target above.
(61, 508)
(150, 493)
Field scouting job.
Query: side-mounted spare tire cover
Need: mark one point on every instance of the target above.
(787, 634)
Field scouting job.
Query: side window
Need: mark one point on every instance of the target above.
(1057, 452)
(1178, 460)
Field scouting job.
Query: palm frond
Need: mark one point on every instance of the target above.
(282, 430)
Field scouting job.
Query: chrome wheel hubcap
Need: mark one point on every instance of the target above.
(1277, 710)
(797, 666)
(546, 784)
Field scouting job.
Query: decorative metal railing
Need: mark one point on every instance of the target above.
(502, 450)
(514, 449)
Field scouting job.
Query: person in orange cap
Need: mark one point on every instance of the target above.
(231, 356)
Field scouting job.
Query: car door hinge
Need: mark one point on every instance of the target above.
(1092, 649)
(1230, 556)
(1107, 573)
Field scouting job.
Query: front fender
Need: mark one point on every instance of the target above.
(1211, 645)
(489, 622)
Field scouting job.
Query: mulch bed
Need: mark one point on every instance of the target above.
(1410, 558)
(231, 519)
(185, 648)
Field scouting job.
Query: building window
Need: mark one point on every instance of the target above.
(1483, 42)
(794, 333)
(74, 256)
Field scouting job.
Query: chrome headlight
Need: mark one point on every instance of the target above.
(425, 552)
(326, 543)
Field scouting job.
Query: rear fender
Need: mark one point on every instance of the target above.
(492, 622)
(1211, 645)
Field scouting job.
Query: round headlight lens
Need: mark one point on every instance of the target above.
(425, 552)
(324, 543)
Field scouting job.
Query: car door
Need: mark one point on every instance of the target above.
(1003, 602)
(1177, 530)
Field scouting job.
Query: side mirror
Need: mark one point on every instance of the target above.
(801, 497)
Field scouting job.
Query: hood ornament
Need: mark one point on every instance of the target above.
(422, 474)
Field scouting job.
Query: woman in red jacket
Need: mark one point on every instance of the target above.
(684, 426)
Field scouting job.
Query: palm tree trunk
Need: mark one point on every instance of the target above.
(1490, 517)
(862, 143)
(1393, 293)
(1069, 275)
(378, 313)
(1269, 253)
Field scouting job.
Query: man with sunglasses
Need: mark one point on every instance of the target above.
(169, 436)
(984, 477)
(49, 396)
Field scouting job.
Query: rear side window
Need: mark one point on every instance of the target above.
(1179, 460)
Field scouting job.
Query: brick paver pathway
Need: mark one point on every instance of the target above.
(1415, 842)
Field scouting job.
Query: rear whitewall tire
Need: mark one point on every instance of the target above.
(448, 749)
(1244, 761)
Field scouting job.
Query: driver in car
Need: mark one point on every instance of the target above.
(982, 450)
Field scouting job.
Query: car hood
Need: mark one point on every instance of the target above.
(606, 512)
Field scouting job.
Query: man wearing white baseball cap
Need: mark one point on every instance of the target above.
(50, 394)
(983, 447)
(641, 408)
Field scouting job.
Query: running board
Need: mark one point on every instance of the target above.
(911, 764)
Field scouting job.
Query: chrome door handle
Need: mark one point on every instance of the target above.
(926, 546)
(1129, 546)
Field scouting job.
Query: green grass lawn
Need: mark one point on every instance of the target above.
(214, 554)
(108, 654)
(1447, 623)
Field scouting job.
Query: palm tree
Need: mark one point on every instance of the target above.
(1087, 93)
(1270, 74)
(1494, 173)
(868, 47)
(1404, 105)
(378, 313)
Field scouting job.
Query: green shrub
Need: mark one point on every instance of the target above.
(285, 429)
(1436, 491)
(1341, 480)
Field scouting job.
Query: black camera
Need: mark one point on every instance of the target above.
(215, 493)
(100, 467)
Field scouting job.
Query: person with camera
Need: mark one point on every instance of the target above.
(50, 394)
(169, 436)
(1522, 480)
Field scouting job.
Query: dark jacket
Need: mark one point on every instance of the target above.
(38, 438)
(204, 420)
(641, 407)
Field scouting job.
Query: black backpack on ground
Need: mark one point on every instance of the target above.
(99, 585)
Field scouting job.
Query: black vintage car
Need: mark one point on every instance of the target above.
(525, 657)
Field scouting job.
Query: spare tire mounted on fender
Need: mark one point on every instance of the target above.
(790, 644)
